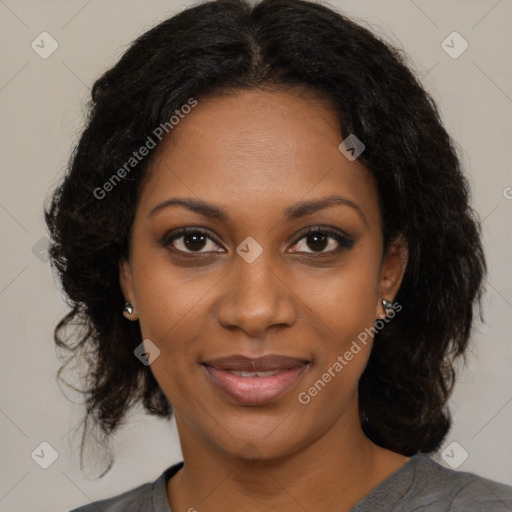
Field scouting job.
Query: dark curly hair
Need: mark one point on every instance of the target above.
(219, 47)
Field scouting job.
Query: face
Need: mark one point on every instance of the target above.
(282, 256)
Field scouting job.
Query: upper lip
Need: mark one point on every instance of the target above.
(260, 364)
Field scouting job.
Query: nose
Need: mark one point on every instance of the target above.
(257, 297)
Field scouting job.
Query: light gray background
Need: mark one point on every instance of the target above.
(41, 106)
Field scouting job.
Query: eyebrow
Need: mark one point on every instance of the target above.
(294, 212)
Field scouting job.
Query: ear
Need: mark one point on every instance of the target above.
(126, 283)
(392, 272)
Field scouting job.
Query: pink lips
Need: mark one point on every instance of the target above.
(257, 389)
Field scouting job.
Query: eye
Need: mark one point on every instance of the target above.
(195, 240)
(190, 240)
(320, 239)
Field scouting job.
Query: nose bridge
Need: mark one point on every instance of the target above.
(256, 297)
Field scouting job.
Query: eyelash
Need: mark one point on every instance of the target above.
(344, 241)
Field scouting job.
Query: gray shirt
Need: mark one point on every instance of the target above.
(420, 485)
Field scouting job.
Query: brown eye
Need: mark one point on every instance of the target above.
(190, 241)
(318, 240)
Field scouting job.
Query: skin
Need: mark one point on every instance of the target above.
(254, 154)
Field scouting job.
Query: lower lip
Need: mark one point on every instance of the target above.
(255, 390)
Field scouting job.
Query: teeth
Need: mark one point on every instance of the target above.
(253, 374)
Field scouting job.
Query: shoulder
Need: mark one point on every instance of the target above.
(436, 487)
(150, 497)
(138, 498)
(422, 484)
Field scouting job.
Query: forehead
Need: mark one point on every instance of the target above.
(247, 149)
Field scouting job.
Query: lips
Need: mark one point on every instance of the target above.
(255, 381)
(260, 364)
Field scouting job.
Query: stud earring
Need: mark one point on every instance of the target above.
(127, 308)
(388, 307)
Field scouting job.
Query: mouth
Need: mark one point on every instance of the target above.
(255, 381)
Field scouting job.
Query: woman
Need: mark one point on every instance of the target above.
(266, 232)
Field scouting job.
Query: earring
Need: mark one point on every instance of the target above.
(127, 308)
(388, 307)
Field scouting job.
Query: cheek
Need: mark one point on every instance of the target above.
(342, 306)
(161, 303)
(172, 314)
(345, 309)
(168, 299)
(343, 299)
